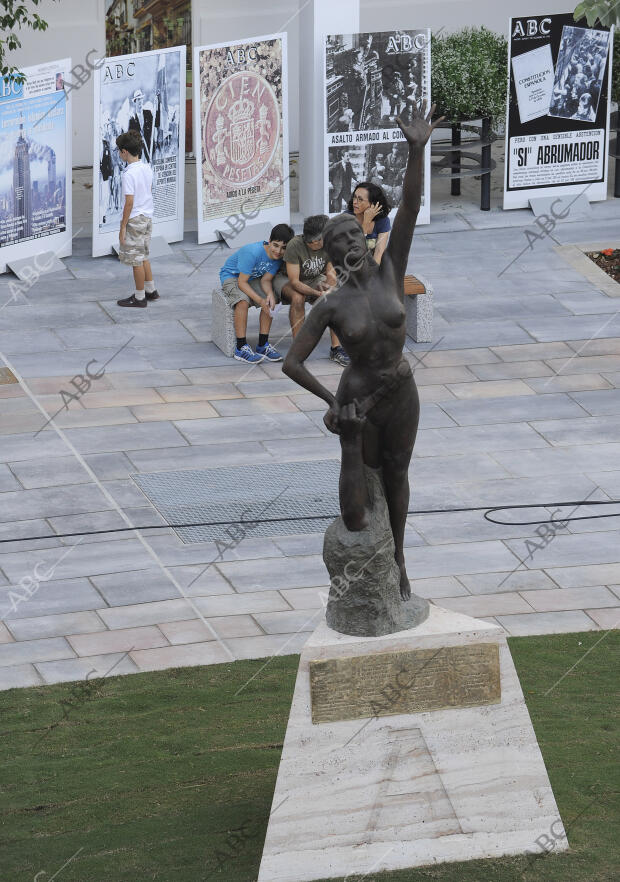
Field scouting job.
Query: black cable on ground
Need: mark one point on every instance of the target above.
(484, 508)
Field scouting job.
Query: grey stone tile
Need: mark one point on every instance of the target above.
(25, 651)
(86, 559)
(452, 357)
(18, 676)
(141, 436)
(546, 623)
(568, 383)
(431, 417)
(195, 630)
(290, 621)
(599, 403)
(511, 370)
(582, 576)
(142, 586)
(431, 589)
(190, 355)
(455, 469)
(452, 560)
(251, 388)
(227, 430)
(575, 327)
(156, 333)
(40, 472)
(52, 598)
(19, 447)
(537, 351)
(24, 505)
(613, 378)
(198, 456)
(29, 341)
(250, 406)
(110, 665)
(50, 364)
(512, 409)
(268, 646)
(587, 346)
(467, 439)
(298, 449)
(301, 544)
(274, 573)
(56, 625)
(606, 618)
(570, 598)
(480, 605)
(580, 363)
(563, 460)
(241, 604)
(306, 598)
(121, 640)
(184, 655)
(231, 372)
(7, 480)
(148, 379)
(173, 552)
(476, 335)
(519, 580)
(569, 432)
(140, 614)
(574, 549)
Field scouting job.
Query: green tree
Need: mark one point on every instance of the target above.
(605, 11)
(14, 15)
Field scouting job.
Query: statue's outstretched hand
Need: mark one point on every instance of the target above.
(420, 129)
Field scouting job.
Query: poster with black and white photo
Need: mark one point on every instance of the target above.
(370, 79)
(557, 126)
(144, 92)
(35, 163)
(241, 134)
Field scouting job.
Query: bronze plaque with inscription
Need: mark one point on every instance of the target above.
(404, 682)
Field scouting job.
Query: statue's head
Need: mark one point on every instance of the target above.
(345, 243)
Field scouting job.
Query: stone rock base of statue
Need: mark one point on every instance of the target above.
(410, 749)
(364, 595)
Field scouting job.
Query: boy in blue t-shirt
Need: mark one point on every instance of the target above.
(246, 279)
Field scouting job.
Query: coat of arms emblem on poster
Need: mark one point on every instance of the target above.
(242, 128)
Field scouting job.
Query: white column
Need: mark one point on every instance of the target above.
(317, 19)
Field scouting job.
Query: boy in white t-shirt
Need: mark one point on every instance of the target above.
(136, 223)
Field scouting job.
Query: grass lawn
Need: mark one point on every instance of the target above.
(168, 776)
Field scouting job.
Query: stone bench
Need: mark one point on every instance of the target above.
(418, 304)
(222, 325)
(419, 308)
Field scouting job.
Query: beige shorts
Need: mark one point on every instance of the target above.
(135, 250)
(281, 280)
(234, 294)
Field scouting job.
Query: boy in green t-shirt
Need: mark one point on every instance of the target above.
(309, 274)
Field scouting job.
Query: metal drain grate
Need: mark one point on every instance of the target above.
(298, 492)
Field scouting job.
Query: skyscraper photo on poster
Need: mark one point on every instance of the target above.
(557, 127)
(35, 163)
(241, 133)
(370, 79)
(144, 92)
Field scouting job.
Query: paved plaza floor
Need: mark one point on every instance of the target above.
(520, 406)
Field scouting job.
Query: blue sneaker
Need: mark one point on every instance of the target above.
(269, 352)
(246, 354)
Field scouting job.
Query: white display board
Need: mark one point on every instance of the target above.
(557, 116)
(241, 135)
(369, 80)
(35, 164)
(145, 92)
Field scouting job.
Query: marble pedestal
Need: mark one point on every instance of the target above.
(364, 795)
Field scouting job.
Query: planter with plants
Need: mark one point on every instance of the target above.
(469, 83)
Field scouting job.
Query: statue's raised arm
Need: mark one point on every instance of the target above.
(417, 133)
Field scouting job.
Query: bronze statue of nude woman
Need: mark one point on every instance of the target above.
(376, 407)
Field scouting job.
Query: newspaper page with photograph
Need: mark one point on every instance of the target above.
(143, 92)
(370, 79)
(241, 135)
(557, 126)
(141, 26)
(35, 163)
